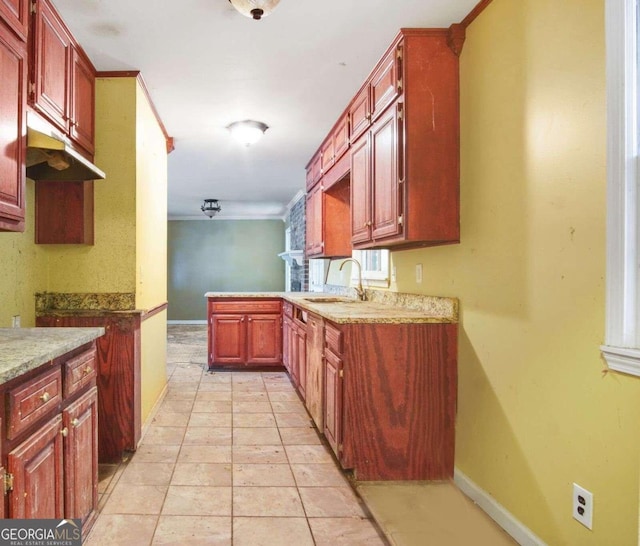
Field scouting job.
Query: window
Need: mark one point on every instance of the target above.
(622, 337)
(375, 267)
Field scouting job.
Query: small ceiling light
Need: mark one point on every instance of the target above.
(256, 9)
(211, 207)
(247, 132)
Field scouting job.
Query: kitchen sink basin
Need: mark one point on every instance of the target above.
(329, 300)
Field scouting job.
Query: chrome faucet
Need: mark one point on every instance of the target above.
(361, 295)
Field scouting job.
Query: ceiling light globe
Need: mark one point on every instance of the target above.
(255, 9)
(247, 132)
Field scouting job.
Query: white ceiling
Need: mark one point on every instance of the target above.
(205, 66)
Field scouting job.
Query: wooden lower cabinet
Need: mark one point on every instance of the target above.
(301, 358)
(332, 422)
(315, 371)
(52, 464)
(38, 474)
(80, 420)
(245, 332)
(390, 399)
(118, 377)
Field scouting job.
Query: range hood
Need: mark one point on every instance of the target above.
(50, 155)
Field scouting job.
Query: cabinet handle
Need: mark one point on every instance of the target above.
(65, 432)
(75, 422)
(249, 319)
(88, 370)
(45, 397)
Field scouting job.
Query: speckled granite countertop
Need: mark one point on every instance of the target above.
(380, 307)
(24, 349)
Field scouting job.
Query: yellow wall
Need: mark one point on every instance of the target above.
(153, 337)
(109, 265)
(151, 248)
(23, 269)
(535, 410)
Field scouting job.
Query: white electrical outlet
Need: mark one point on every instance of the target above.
(418, 273)
(15, 321)
(583, 506)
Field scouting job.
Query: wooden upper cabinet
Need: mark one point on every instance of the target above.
(341, 137)
(81, 123)
(314, 212)
(15, 14)
(360, 191)
(63, 78)
(13, 143)
(314, 170)
(51, 65)
(386, 82)
(327, 154)
(386, 201)
(360, 113)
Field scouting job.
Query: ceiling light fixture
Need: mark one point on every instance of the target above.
(247, 132)
(211, 207)
(256, 9)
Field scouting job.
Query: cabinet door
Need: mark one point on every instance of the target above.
(286, 356)
(264, 339)
(228, 339)
(327, 154)
(333, 401)
(51, 65)
(384, 176)
(82, 102)
(360, 192)
(37, 468)
(16, 14)
(81, 456)
(315, 373)
(315, 242)
(341, 138)
(360, 113)
(13, 136)
(301, 339)
(385, 83)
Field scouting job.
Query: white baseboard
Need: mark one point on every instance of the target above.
(187, 322)
(521, 534)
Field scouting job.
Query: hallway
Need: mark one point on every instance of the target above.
(229, 458)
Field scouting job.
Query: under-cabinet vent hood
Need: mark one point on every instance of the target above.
(50, 156)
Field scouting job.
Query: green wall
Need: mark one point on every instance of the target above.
(221, 256)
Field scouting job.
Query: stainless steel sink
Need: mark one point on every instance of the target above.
(330, 300)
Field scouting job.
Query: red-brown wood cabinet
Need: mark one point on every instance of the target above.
(390, 399)
(244, 332)
(62, 77)
(13, 67)
(403, 158)
(118, 377)
(51, 443)
(15, 14)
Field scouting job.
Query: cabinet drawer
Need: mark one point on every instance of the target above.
(79, 372)
(333, 338)
(287, 309)
(253, 306)
(27, 403)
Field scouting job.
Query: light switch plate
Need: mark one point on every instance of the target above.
(418, 273)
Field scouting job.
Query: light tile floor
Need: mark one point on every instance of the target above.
(229, 458)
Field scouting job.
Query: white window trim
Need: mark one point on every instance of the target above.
(621, 348)
(373, 278)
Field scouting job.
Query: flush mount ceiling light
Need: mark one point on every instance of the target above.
(211, 207)
(247, 132)
(256, 9)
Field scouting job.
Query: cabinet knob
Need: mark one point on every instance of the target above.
(65, 432)
(75, 422)
(45, 397)
(88, 370)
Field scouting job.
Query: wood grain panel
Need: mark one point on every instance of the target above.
(400, 387)
(264, 339)
(15, 13)
(245, 306)
(64, 212)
